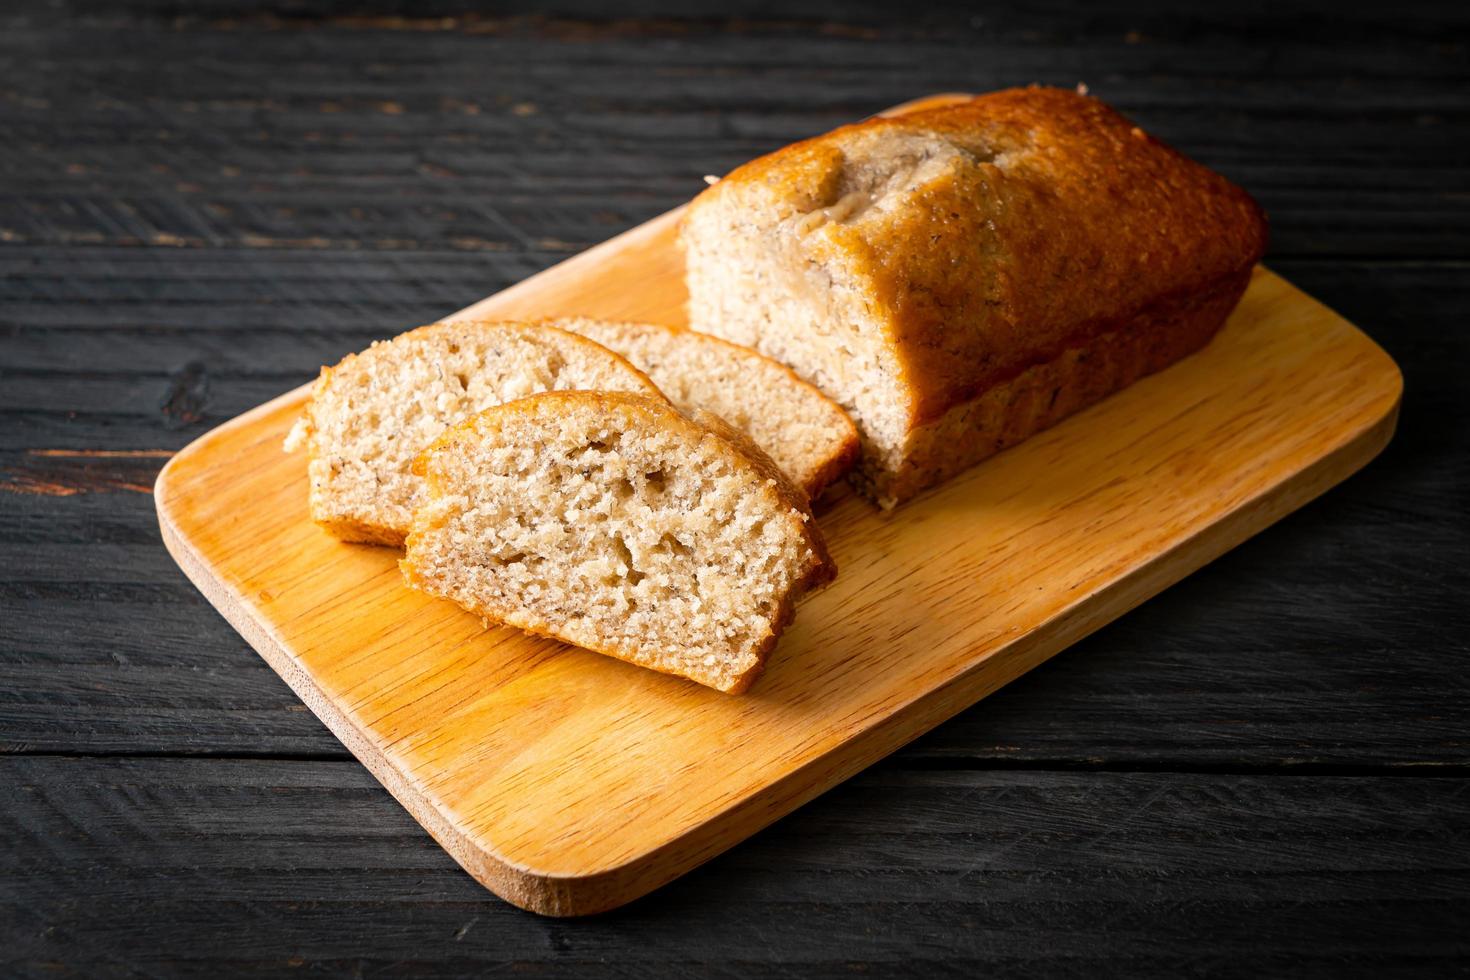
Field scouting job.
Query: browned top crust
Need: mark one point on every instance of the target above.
(1012, 226)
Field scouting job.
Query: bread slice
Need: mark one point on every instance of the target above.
(375, 411)
(805, 432)
(615, 523)
(962, 276)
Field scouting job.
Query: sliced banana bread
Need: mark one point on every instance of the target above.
(613, 522)
(375, 411)
(805, 432)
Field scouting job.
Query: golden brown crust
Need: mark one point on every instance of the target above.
(1019, 225)
(1044, 394)
(1061, 221)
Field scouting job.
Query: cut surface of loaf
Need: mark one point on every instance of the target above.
(374, 412)
(805, 432)
(615, 523)
(948, 275)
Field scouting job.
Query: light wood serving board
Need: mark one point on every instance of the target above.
(570, 783)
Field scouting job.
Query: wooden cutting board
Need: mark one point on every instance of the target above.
(570, 783)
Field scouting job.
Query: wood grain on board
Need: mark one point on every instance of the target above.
(570, 783)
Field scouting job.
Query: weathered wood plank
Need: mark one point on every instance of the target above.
(586, 19)
(242, 866)
(509, 134)
(1367, 212)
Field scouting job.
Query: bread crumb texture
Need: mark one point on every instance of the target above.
(373, 413)
(808, 434)
(615, 523)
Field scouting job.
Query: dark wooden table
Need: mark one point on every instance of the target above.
(1263, 770)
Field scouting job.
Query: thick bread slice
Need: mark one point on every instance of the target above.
(613, 522)
(805, 432)
(962, 276)
(375, 411)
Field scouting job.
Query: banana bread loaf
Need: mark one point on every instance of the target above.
(960, 277)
